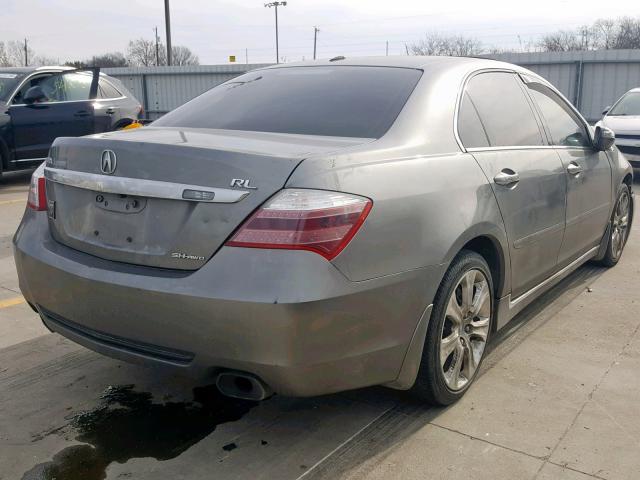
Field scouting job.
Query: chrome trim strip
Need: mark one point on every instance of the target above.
(513, 147)
(30, 160)
(139, 187)
(528, 147)
(568, 269)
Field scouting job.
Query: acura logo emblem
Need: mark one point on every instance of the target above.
(108, 162)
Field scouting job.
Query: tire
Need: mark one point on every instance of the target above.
(462, 336)
(619, 227)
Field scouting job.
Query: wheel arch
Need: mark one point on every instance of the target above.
(490, 242)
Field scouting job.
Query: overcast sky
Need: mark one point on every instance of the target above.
(215, 29)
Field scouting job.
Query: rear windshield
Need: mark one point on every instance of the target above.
(8, 83)
(339, 101)
(628, 105)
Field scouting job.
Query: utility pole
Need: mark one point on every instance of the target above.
(276, 5)
(167, 21)
(157, 48)
(246, 56)
(387, 48)
(315, 40)
(26, 54)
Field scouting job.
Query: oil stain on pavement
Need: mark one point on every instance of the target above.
(129, 425)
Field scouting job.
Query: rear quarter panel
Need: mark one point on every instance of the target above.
(424, 210)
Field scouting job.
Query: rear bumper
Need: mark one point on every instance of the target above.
(289, 317)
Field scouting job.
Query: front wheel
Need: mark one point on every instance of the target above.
(618, 227)
(458, 331)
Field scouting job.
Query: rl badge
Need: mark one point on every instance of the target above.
(242, 183)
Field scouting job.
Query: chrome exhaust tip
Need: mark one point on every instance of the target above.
(242, 385)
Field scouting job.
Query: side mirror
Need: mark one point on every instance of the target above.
(604, 138)
(606, 110)
(34, 95)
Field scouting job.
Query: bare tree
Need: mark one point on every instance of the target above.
(4, 56)
(142, 52)
(106, 60)
(628, 33)
(604, 34)
(562, 41)
(453, 45)
(12, 54)
(183, 56)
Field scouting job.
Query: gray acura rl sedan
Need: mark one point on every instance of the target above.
(315, 227)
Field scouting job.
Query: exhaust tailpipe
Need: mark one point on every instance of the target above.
(242, 385)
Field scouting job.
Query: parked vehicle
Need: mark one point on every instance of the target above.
(316, 227)
(624, 119)
(39, 104)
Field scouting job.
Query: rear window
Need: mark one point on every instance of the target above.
(336, 101)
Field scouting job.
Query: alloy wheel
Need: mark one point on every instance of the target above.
(620, 224)
(465, 329)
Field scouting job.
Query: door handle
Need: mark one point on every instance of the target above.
(574, 169)
(506, 177)
(81, 113)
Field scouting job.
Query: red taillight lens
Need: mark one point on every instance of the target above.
(37, 193)
(299, 219)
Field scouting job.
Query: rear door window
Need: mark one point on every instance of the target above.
(503, 109)
(106, 90)
(470, 128)
(343, 101)
(564, 126)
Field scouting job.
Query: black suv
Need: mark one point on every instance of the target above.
(38, 104)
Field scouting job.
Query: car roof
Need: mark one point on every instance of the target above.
(405, 61)
(33, 69)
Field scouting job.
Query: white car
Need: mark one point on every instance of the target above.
(624, 119)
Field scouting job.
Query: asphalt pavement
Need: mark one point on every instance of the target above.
(558, 398)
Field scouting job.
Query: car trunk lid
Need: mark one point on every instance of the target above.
(167, 197)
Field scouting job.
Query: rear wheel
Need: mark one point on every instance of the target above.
(458, 331)
(619, 227)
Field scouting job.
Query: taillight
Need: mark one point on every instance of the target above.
(37, 193)
(300, 219)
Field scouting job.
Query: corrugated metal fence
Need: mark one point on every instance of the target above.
(161, 89)
(591, 80)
